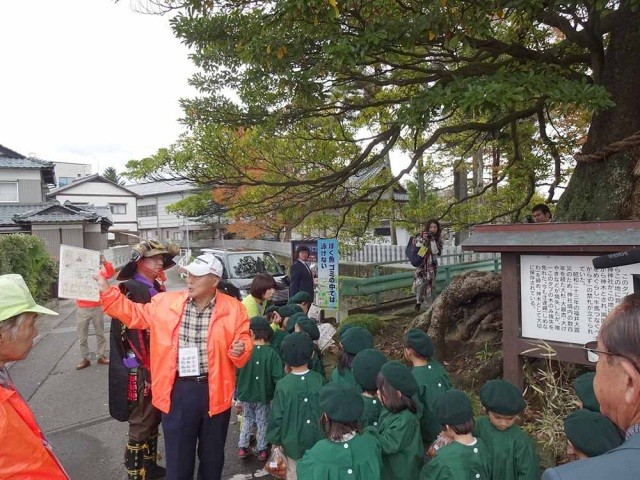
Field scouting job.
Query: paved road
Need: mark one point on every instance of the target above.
(72, 406)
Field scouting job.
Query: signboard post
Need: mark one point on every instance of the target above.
(550, 290)
(327, 296)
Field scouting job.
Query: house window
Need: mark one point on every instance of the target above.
(120, 208)
(167, 233)
(147, 210)
(62, 181)
(382, 232)
(8, 191)
(177, 235)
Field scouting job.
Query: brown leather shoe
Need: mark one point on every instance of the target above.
(103, 361)
(83, 364)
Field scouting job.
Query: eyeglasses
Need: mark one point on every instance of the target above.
(592, 355)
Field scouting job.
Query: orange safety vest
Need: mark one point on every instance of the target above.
(162, 317)
(24, 452)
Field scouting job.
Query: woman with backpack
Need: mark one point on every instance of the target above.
(427, 247)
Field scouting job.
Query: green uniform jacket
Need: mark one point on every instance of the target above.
(315, 363)
(256, 381)
(371, 413)
(459, 462)
(346, 377)
(401, 443)
(433, 381)
(295, 414)
(512, 451)
(276, 340)
(357, 459)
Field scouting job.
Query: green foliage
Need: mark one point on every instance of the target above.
(371, 322)
(27, 256)
(111, 174)
(300, 100)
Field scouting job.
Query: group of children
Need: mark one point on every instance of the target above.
(378, 419)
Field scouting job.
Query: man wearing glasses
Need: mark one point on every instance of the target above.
(616, 354)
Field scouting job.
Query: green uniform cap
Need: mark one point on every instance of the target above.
(365, 367)
(591, 432)
(299, 298)
(287, 311)
(356, 339)
(341, 402)
(454, 408)
(296, 349)
(16, 298)
(310, 327)
(271, 308)
(344, 328)
(399, 377)
(419, 341)
(502, 397)
(293, 319)
(583, 386)
(259, 323)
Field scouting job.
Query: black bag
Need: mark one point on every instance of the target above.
(412, 254)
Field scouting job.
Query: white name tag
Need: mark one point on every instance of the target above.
(188, 363)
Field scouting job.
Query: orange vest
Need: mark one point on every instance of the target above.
(162, 317)
(24, 452)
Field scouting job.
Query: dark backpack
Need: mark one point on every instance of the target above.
(412, 254)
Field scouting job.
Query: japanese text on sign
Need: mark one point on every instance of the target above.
(563, 298)
(327, 296)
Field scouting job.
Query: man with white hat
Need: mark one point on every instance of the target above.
(24, 451)
(198, 339)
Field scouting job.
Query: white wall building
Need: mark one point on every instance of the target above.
(67, 172)
(153, 219)
(97, 190)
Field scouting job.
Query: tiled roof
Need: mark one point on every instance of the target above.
(161, 187)
(31, 163)
(52, 212)
(7, 152)
(90, 178)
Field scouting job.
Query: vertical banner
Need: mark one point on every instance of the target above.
(327, 293)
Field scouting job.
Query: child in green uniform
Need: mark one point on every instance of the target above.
(466, 457)
(310, 327)
(295, 414)
(345, 453)
(583, 386)
(290, 323)
(512, 451)
(432, 379)
(366, 366)
(352, 341)
(255, 384)
(275, 320)
(590, 434)
(301, 298)
(398, 429)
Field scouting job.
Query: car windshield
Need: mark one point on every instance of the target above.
(248, 265)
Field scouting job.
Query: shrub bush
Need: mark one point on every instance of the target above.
(371, 322)
(27, 256)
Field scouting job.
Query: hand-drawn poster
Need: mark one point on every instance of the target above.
(565, 299)
(77, 268)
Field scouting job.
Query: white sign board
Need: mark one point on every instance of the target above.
(77, 268)
(564, 299)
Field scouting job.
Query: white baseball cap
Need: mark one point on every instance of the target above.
(205, 264)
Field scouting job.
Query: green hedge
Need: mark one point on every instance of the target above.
(27, 256)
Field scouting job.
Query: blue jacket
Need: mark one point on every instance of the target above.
(622, 463)
(301, 279)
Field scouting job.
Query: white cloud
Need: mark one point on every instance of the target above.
(89, 81)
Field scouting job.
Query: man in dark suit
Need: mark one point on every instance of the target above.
(617, 388)
(301, 276)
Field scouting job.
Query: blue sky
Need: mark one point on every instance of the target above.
(89, 81)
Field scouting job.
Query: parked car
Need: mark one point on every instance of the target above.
(240, 266)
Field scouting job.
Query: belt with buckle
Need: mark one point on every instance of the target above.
(198, 379)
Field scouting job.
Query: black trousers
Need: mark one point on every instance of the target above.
(188, 427)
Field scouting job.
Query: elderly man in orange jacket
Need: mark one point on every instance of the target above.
(198, 338)
(24, 451)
